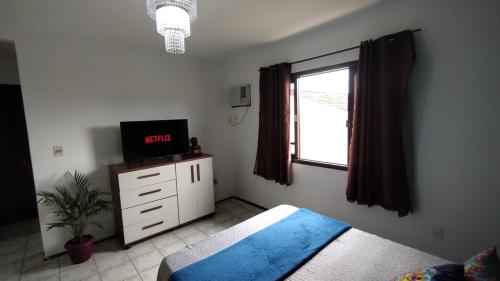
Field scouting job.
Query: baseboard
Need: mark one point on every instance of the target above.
(222, 200)
(243, 200)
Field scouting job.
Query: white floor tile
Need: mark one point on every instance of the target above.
(93, 278)
(230, 223)
(150, 274)
(15, 230)
(109, 254)
(33, 262)
(16, 239)
(147, 261)
(140, 249)
(12, 257)
(193, 238)
(165, 240)
(229, 203)
(221, 217)
(13, 245)
(107, 260)
(34, 246)
(213, 230)
(34, 226)
(135, 278)
(16, 277)
(34, 239)
(167, 250)
(47, 271)
(78, 271)
(107, 246)
(35, 250)
(53, 278)
(186, 231)
(205, 224)
(237, 211)
(65, 262)
(119, 273)
(10, 270)
(246, 215)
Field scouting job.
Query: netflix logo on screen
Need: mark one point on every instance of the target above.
(151, 140)
(158, 139)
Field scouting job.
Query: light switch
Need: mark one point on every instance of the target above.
(58, 151)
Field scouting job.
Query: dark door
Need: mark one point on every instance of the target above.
(17, 188)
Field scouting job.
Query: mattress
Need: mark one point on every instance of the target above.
(355, 255)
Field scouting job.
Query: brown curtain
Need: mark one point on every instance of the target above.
(377, 170)
(273, 152)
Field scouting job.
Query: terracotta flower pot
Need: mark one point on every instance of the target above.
(80, 252)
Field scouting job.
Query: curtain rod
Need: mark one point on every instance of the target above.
(336, 52)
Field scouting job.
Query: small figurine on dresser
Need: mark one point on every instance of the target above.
(195, 147)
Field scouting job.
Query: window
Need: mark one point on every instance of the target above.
(321, 115)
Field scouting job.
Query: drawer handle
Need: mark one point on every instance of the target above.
(192, 174)
(148, 176)
(152, 225)
(198, 171)
(150, 210)
(150, 192)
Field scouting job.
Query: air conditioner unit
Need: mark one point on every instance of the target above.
(241, 96)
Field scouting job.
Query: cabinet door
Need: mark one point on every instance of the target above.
(205, 186)
(186, 191)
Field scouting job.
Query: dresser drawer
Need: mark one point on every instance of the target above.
(145, 177)
(150, 227)
(146, 194)
(147, 211)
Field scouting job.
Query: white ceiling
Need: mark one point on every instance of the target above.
(222, 25)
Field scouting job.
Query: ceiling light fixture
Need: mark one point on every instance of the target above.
(173, 21)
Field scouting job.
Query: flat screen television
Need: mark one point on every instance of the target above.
(149, 140)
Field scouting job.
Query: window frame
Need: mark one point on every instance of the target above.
(352, 65)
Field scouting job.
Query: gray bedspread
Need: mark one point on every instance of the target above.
(355, 255)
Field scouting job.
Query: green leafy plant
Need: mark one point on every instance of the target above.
(76, 205)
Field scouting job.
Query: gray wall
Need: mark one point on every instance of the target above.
(452, 132)
(9, 73)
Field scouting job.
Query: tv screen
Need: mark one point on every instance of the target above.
(147, 140)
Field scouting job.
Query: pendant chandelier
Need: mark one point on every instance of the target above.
(173, 21)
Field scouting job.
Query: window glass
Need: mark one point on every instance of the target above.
(323, 112)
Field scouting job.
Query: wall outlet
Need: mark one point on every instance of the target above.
(58, 151)
(438, 234)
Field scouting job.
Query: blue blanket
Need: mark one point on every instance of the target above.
(270, 254)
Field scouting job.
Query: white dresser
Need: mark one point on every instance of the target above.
(152, 198)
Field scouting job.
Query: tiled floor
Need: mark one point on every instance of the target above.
(21, 257)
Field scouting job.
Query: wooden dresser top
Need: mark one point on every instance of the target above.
(126, 167)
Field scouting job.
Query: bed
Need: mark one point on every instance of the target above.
(355, 255)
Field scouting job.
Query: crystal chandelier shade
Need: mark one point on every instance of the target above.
(171, 17)
(174, 41)
(173, 21)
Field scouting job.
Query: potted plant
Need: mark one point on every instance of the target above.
(76, 205)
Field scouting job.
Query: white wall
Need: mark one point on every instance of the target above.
(453, 128)
(75, 94)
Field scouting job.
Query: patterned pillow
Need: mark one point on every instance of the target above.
(447, 272)
(483, 266)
